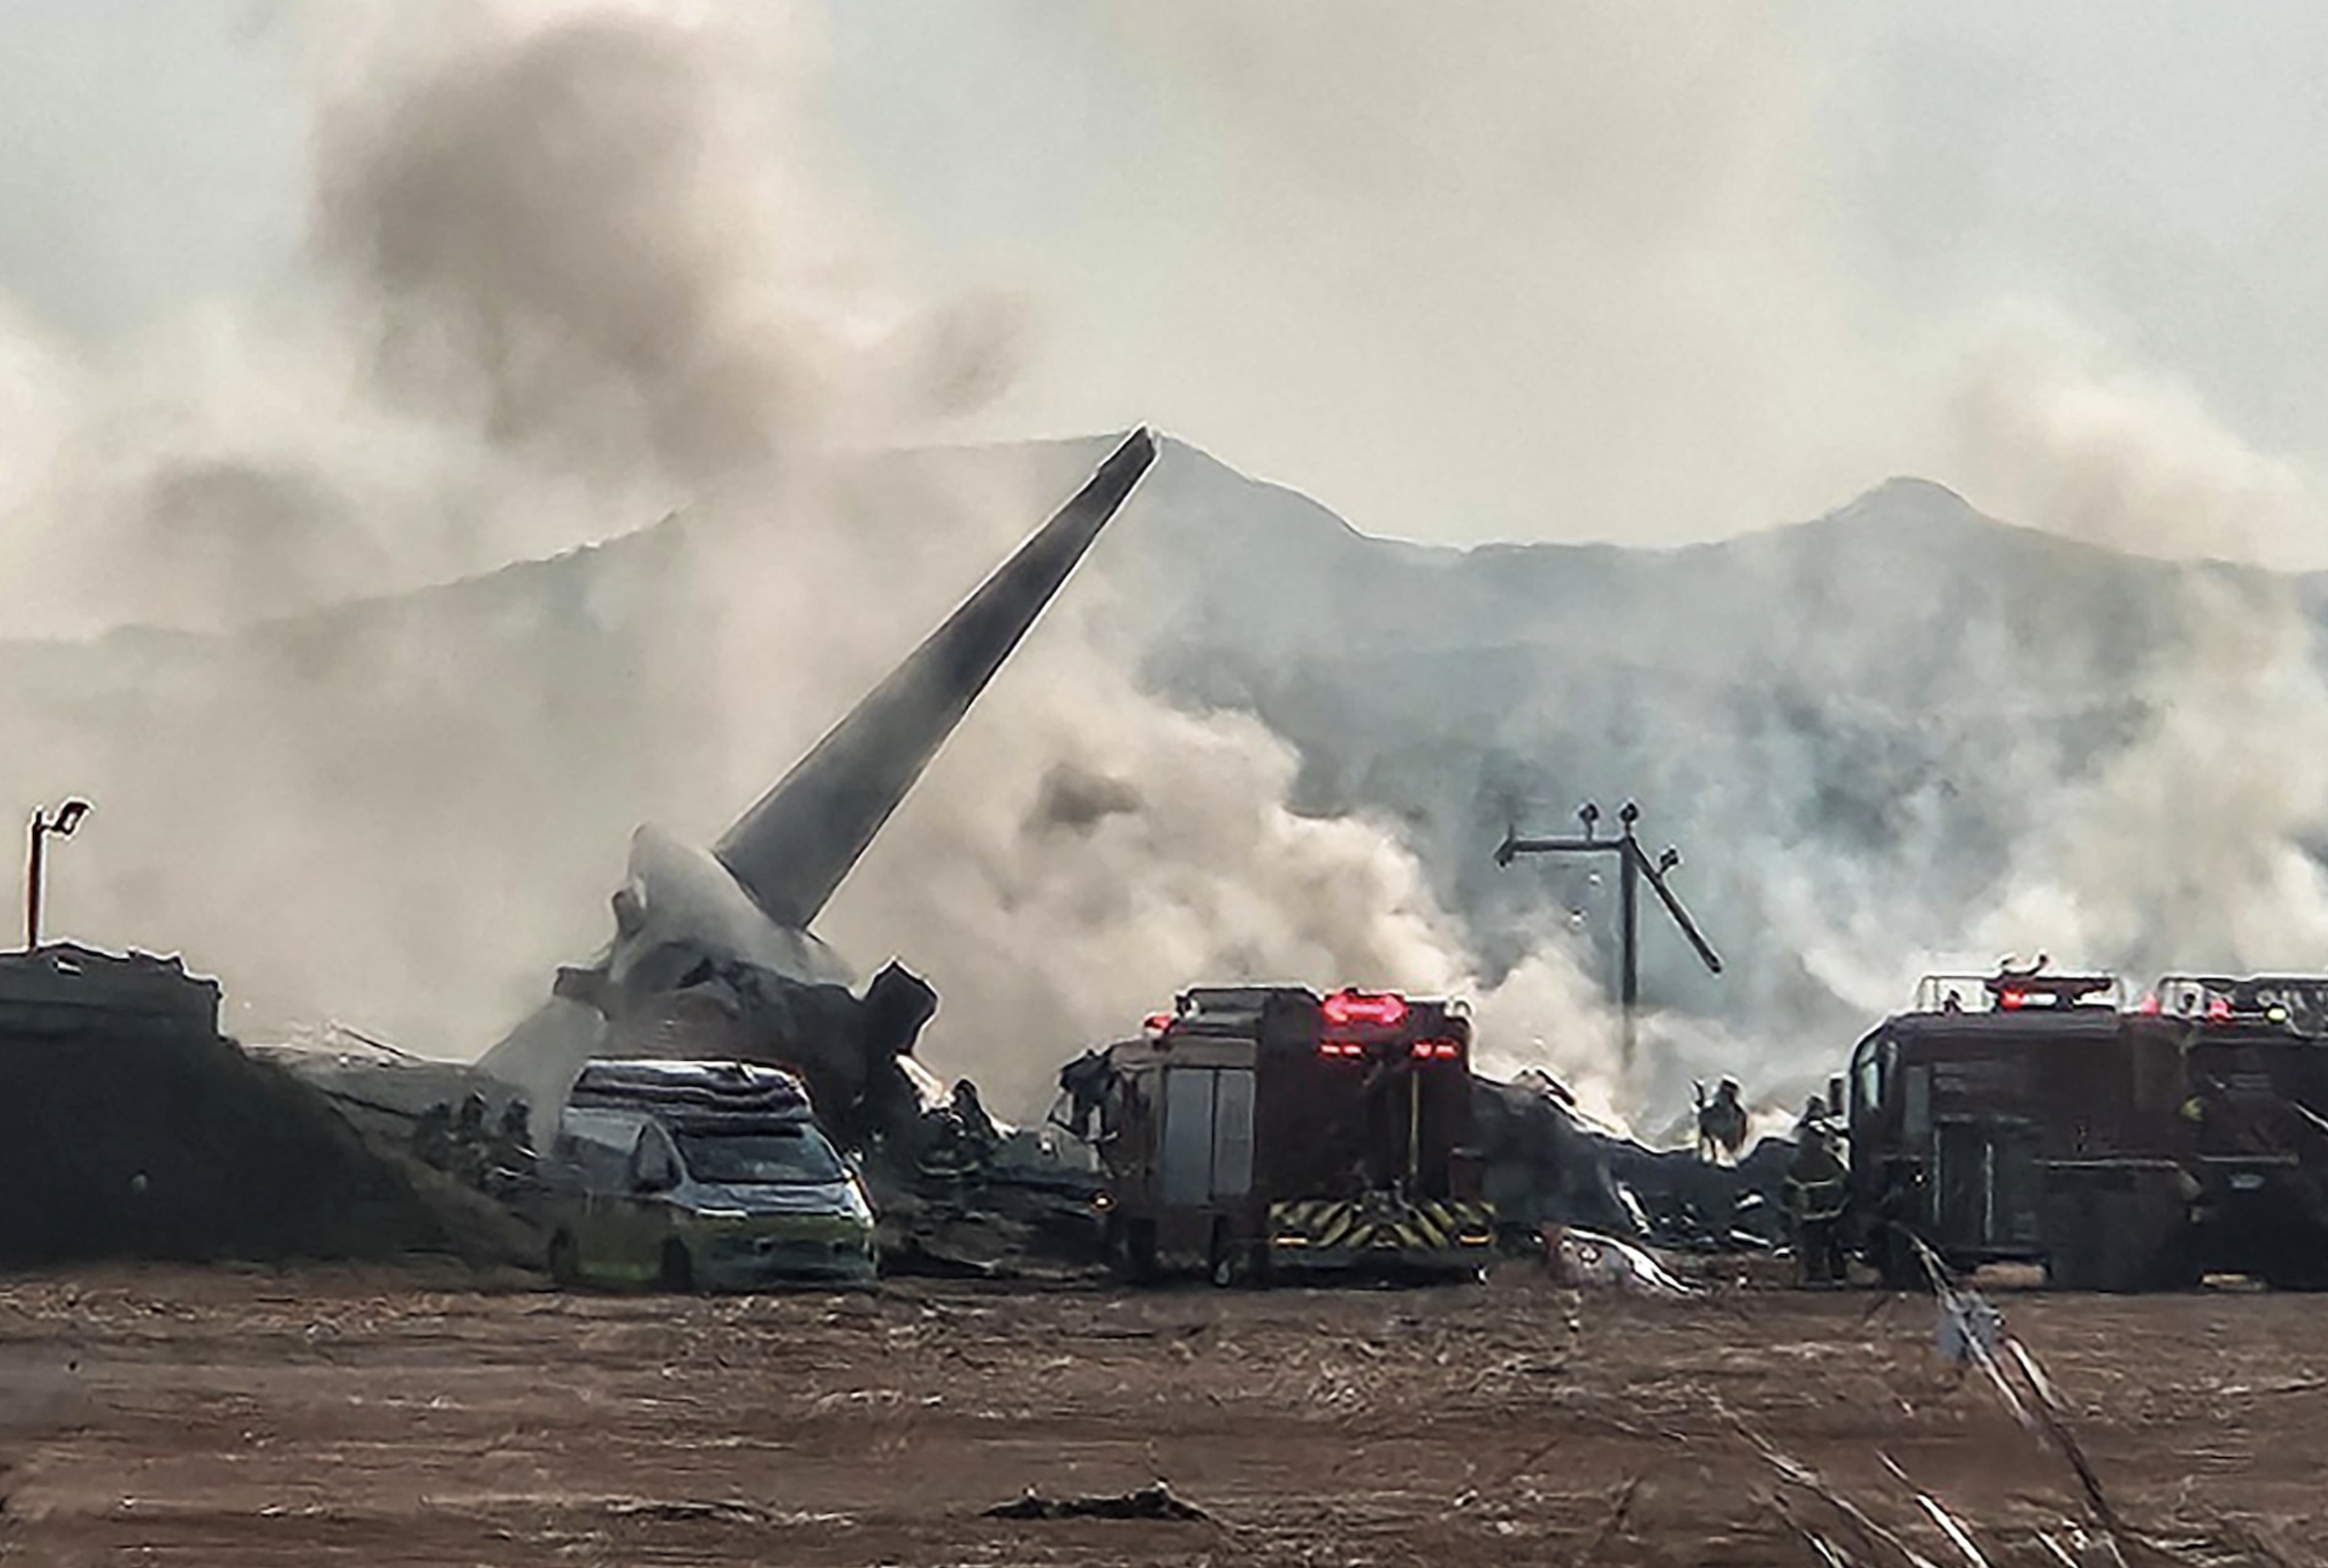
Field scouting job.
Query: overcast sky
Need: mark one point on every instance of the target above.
(1646, 271)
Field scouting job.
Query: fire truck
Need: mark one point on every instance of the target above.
(2255, 1055)
(2017, 1117)
(1261, 1131)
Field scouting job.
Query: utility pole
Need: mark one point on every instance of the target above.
(1633, 864)
(67, 819)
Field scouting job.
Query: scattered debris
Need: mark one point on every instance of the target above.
(682, 1510)
(1156, 1501)
(1969, 1327)
(1588, 1260)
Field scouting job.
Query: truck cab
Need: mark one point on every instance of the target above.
(1263, 1130)
(701, 1175)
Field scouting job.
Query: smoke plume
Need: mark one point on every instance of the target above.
(2198, 843)
(577, 268)
(571, 274)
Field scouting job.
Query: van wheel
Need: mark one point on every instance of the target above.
(565, 1262)
(678, 1267)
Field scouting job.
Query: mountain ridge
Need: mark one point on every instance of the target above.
(1858, 727)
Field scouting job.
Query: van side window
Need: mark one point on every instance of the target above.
(654, 1166)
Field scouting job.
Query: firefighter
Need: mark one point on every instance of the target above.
(432, 1137)
(979, 1133)
(1721, 1125)
(1815, 1190)
(469, 1150)
(514, 1135)
(944, 1157)
(510, 1157)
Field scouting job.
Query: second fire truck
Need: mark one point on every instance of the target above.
(1260, 1132)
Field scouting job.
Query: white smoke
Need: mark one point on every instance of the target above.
(1556, 270)
(574, 270)
(2050, 430)
(2197, 844)
(2192, 842)
(580, 265)
(1113, 851)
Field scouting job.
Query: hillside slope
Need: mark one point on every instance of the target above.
(1869, 733)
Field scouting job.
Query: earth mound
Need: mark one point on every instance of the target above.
(129, 1127)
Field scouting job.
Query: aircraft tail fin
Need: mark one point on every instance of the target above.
(793, 846)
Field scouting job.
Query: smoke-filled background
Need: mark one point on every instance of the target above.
(304, 384)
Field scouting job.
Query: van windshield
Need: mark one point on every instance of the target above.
(777, 1157)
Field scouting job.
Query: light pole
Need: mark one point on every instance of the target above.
(1633, 865)
(68, 817)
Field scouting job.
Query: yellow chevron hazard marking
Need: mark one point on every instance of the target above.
(1431, 1225)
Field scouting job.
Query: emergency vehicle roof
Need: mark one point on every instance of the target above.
(737, 1087)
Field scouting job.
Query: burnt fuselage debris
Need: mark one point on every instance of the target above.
(712, 956)
(1155, 1502)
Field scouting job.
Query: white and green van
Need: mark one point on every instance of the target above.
(700, 1176)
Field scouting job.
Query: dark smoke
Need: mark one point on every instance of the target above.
(577, 279)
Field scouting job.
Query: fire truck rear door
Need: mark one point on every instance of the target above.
(1233, 1132)
(1207, 1143)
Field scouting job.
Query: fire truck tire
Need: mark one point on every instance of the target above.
(2295, 1268)
(2084, 1256)
(2114, 1239)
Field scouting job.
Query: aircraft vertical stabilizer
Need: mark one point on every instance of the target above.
(792, 848)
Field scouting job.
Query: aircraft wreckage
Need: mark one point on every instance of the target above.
(713, 955)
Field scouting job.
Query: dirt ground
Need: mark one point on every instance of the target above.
(170, 1415)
